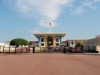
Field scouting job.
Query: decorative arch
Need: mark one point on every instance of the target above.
(57, 39)
(42, 39)
(42, 42)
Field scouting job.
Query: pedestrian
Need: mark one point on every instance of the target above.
(33, 49)
(64, 49)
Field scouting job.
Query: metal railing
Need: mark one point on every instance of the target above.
(16, 50)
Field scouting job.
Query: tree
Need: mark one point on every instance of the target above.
(18, 41)
(79, 44)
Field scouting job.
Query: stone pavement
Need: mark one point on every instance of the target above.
(50, 64)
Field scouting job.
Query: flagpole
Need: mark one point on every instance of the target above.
(49, 27)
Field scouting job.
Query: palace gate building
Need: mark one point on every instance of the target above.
(52, 40)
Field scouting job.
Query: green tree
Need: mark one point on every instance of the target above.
(79, 44)
(18, 41)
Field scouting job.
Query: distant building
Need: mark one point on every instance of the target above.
(93, 42)
(2, 44)
(88, 44)
(72, 42)
(32, 43)
(98, 36)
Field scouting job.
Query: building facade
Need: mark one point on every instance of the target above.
(91, 43)
(72, 42)
(52, 40)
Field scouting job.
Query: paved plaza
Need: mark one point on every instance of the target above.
(49, 64)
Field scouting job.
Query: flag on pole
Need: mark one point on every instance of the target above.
(50, 24)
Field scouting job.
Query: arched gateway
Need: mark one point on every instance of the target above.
(46, 40)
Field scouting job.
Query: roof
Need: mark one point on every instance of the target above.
(49, 34)
(8, 40)
(77, 40)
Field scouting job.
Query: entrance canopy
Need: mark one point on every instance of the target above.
(49, 34)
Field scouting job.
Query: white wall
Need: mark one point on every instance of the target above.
(98, 48)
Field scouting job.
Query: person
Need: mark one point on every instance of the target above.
(64, 49)
(33, 49)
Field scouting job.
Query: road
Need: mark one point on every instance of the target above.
(49, 64)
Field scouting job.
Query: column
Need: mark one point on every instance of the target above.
(38, 40)
(45, 41)
(60, 40)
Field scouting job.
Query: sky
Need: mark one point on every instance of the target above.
(79, 19)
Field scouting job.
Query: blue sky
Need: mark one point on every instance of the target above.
(77, 18)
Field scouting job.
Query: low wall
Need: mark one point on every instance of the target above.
(12, 49)
(98, 49)
(1, 48)
(6, 49)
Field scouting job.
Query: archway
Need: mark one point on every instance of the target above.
(49, 41)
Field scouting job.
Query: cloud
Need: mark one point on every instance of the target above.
(96, 0)
(45, 22)
(46, 10)
(90, 4)
(84, 5)
(50, 10)
(79, 10)
(87, 3)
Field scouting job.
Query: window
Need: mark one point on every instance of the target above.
(42, 39)
(42, 44)
(57, 39)
(57, 44)
(67, 44)
(72, 42)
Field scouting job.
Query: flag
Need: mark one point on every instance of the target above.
(50, 24)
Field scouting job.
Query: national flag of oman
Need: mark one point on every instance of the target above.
(50, 24)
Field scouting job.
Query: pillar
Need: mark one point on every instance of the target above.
(45, 41)
(53, 41)
(60, 40)
(39, 40)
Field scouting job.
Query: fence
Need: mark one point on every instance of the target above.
(88, 49)
(16, 50)
(74, 50)
(30, 50)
